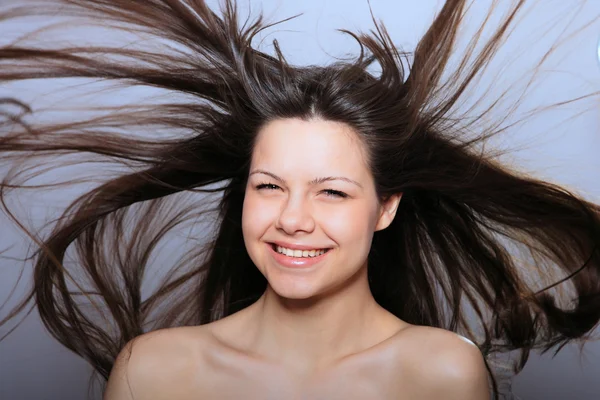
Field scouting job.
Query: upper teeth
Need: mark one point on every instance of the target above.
(300, 253)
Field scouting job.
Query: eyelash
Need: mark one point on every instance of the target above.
(330, 192)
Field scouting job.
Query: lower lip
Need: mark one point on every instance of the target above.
(296, 262)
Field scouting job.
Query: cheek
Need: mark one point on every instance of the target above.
(350, 225)
(256, 217)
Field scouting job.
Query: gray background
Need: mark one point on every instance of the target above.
(559, 146)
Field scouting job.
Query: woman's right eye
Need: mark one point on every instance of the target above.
(268, 186)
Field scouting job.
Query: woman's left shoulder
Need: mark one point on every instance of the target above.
(437, 339)
(452, 365)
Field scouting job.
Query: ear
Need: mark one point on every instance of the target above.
(388, 211)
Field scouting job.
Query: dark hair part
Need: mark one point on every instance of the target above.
(462, 220)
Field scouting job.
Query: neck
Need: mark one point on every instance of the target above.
(309, 334)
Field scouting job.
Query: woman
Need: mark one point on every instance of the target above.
(356, 217)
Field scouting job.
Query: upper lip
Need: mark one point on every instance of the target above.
(297, 246)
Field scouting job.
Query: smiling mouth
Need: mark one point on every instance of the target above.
(298, 253)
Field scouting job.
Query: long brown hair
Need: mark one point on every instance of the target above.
(453, 245)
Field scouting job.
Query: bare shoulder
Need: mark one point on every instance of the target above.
(159, 364)
(446, 365)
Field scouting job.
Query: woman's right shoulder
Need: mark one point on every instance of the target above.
(158, 364)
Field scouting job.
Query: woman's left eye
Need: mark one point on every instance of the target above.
(335, 193)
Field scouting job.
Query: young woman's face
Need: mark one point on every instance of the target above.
(310, 190)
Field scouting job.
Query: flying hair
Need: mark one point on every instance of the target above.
(473, 243)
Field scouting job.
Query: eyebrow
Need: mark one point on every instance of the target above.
(315, 181)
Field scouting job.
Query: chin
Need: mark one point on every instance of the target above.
(293, 291)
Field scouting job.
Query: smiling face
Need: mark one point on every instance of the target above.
(310, 189)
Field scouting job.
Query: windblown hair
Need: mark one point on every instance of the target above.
(469, 234)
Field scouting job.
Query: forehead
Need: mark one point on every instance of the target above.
(315, 146)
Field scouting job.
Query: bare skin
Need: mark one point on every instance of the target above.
(317, 331)
(367, 365)
(215, 361)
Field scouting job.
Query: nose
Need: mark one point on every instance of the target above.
(295, 216)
